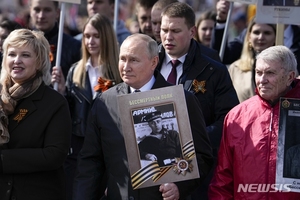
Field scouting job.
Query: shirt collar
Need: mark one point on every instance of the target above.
(169, 58)
(145, 87)
(88, 64)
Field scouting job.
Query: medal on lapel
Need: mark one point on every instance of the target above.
(199, 86)
(20, 115)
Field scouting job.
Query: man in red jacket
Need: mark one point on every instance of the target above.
(248, 148)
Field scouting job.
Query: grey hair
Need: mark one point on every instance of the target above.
(280, 54)
(152, 46)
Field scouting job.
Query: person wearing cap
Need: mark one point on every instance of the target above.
(161, 145)
(104, 153)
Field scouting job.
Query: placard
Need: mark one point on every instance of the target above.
(278, 12)
(288, 153)
(166, 157)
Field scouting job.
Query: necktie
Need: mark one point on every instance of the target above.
(137, 91)
(173, 74)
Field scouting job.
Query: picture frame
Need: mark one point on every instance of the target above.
(276, 13)
(287, 163)
(166, 107)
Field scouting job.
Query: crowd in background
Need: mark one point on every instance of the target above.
(76, 14)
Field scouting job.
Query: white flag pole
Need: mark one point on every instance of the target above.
(60, 38)
(224, 39)
(116, 15)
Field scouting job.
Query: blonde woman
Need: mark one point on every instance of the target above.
(95, 72)
(258, 38)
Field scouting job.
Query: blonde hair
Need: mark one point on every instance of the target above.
(109, 51)
(246, 61)
(38, 43)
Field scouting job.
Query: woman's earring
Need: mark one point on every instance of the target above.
(250, 46)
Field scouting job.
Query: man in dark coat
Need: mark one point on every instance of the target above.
(104, 147)
(206, 78)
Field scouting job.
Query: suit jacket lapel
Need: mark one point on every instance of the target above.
(123, 88)
(191, 68)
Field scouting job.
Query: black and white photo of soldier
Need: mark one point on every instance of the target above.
(292, 141)
(160, 145)
(292, 162)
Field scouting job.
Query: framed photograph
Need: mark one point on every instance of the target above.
(158, 137)
(288, 153)
(278, 11)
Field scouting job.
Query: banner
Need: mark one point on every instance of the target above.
(278, 12)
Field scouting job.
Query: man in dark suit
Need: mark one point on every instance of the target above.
(206, 78)
(104, 147)
(156, 23)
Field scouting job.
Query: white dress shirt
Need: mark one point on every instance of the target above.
(167, 66)
(145, 87)
(94, 74)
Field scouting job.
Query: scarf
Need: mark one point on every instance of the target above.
(11, 93)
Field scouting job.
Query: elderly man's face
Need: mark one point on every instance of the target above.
(135, 65)
(272, 80)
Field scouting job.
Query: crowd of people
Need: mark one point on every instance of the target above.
(61, 136)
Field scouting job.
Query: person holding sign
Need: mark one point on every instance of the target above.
(96, 71)
(248, 150)
(106, 7)
(104, 147)
(44, 16)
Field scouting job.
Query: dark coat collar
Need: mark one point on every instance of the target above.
(194, 65)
